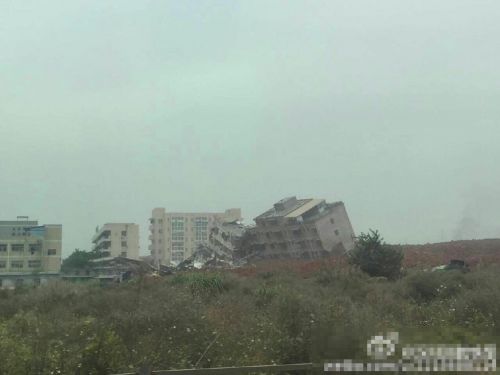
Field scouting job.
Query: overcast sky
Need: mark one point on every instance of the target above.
(111, 108)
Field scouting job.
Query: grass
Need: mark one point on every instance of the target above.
(279, 312)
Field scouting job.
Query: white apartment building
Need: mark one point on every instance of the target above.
(29, 253)
(117, 240)
(174, 236)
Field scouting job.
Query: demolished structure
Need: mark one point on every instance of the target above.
(223, 242)
(301, 229)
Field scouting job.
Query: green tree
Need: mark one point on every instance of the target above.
(79, 259)
(375, 257)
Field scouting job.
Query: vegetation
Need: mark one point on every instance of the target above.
(279, 313)
(375, 257)
(78, 260)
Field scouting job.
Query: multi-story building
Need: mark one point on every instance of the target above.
(29, 253)
(174, 236)
(302, 228)
(117, 240)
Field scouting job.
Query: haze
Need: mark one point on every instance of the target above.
(111, 108)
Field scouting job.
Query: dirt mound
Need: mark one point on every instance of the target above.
(474, 252)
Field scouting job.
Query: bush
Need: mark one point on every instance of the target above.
(276, 317)
(375, 257)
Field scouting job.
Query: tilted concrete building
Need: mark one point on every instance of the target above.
(225, 238)
(302, 228)
(117, 240)
(175, 236)
(29, 253)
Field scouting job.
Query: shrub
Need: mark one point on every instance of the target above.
(375, 257)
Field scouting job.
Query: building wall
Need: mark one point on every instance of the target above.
(24, 253)
(174, 236)
(282, 240)
(11, 281)
(322, 228)
(335, 230)
(118, 240)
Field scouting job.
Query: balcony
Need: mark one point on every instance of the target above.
(102, 234)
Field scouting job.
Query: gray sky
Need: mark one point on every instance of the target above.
(111, 108)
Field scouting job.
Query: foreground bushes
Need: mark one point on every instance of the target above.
(271, 317)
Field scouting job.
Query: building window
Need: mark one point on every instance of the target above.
(336, 231)
(201, 228)
(34, 248)
(124, 254)
(51, 252)
(34, 263)
(16, 264)
(19, 282)
(177, 224)
(178, 236)
(3, 247)
(3, 264)
(17, 247)
(124, 233)
(124, 243)
(178, 257)
(177, 247)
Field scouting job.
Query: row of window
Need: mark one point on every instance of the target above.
(20, 264)
(181, 229)
(177, 257)
(179, 218)
(295, 233)
(33, 248)
(302, 245)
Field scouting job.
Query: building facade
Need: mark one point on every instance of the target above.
(29, 253)
(117, 240)
(174, 236)
(302, 228)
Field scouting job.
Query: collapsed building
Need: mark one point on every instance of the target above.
(223, 242)
(301, 228)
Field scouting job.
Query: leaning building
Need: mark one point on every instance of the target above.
(302, 228)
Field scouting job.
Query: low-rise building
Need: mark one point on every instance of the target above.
(302, 228)
(175, 236)
(117, 240)
(110, 269)
(29, 253)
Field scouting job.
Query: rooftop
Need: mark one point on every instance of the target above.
(286, 207)
(18, 222)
